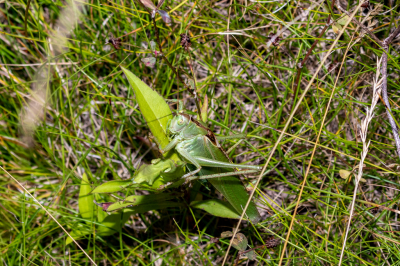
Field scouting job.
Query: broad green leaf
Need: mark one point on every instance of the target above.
(174, 172)
(101, 215)
(148, 173)
(336, 28)
(113, 223)
(232, 188)
(148, 176)
(86, 205)
(240, 242)
(251, 255)
(226, 234)
(343, 20)
(153, 107)
(112, 186)
(159, 184)
(135, 200)
(159, 173)
(344, 173)
(216, 207)
(79, 231)
(110, 225)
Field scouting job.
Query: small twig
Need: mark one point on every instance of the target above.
(392, 36)
(192, 70)
(385, 97)
(371, 34)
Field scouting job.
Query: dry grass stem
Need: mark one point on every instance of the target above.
(363, 135)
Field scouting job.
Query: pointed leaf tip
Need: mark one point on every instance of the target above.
(153, 107)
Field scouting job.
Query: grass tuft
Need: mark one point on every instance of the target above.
(332, 189)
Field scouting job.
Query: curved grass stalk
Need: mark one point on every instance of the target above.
(363, 134)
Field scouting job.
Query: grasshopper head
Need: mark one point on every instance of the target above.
(177, 124)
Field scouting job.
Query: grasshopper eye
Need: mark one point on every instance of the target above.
(180, 122)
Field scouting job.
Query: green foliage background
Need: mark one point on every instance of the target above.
(92, 125)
